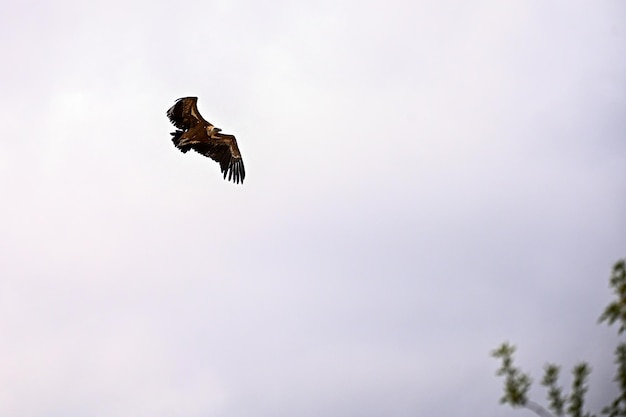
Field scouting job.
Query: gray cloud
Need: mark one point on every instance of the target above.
(425, 180)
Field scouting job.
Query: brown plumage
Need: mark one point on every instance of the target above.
(201, 136)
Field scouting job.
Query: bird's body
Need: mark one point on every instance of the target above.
(196, 133)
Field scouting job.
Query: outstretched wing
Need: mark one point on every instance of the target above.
(224, 150)
(184, 113)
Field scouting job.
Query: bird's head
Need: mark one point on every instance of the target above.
(210, 130)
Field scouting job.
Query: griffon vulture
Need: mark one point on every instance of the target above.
(196, 133)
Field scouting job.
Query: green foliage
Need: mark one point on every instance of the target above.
(517, 383)
(555, 393)
(617, 309)
(579, 389)
(618, 406)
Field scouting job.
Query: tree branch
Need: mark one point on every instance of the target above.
(537, 409)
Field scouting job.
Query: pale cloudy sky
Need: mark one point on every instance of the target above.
(425, 180)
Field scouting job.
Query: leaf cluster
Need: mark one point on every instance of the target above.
(616, 311)
(517, 383)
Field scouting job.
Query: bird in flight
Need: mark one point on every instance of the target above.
(193, 132)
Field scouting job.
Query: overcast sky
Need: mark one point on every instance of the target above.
(425, 180)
